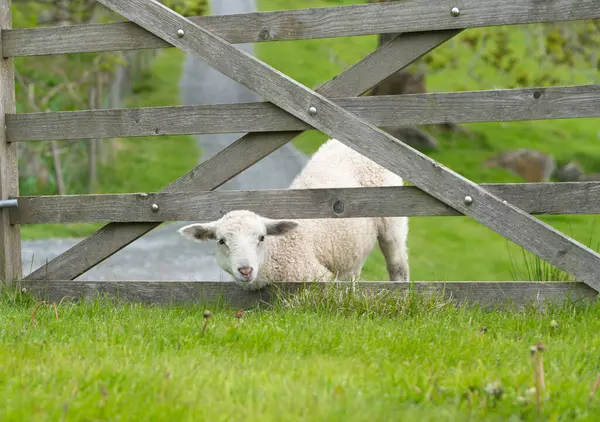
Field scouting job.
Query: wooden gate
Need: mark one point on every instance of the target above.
(336, 109)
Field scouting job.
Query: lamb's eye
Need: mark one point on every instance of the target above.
(261, 239)
(221, 241)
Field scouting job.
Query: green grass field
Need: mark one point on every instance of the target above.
(319, 357)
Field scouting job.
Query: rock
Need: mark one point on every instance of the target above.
(570, 172)
(531, 165)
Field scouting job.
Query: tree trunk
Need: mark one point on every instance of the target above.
(93, 143)
(63, 15)
(58, 174)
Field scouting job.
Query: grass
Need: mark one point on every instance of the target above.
(144, 164)
(317, 356)
(451, 248)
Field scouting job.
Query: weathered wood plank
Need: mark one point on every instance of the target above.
(409, 201)
(10, 238)
(324, 22)
(210, 174)
(509, 295)
(393, 110)
(440, 182)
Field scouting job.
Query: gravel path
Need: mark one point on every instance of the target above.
(163, 254)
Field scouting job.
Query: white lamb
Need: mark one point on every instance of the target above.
(256, 250)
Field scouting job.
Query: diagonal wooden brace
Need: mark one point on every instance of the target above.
(226, 164)
(440, 182)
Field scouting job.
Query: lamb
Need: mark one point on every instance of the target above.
(256, 250)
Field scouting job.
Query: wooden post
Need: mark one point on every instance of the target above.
(10, 238)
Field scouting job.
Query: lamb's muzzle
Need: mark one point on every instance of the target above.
(246, 272)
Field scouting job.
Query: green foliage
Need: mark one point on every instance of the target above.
(60, 82)
(76, 82)
(28, 14)
(138, 164)
(524, 55)
(188, 7)
(536, 55)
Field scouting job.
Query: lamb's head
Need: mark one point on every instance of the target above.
(240, 235)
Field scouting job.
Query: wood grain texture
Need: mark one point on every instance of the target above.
(390, 110)
(508, 295)
(237, 157)
(324, 22)
(10, 238)
(440, 182)
(409, 201)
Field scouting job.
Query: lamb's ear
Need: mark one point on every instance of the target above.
(199, 232)
(279, 227)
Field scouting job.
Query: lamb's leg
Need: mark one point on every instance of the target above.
(322, 274)
(392, 241)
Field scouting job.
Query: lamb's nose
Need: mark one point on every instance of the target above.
(245, 271)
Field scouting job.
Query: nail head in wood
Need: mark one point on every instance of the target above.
(455, 11)
(537, 94)
(312, 111)
(180, 33)
(155, 207)
(468, 200)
